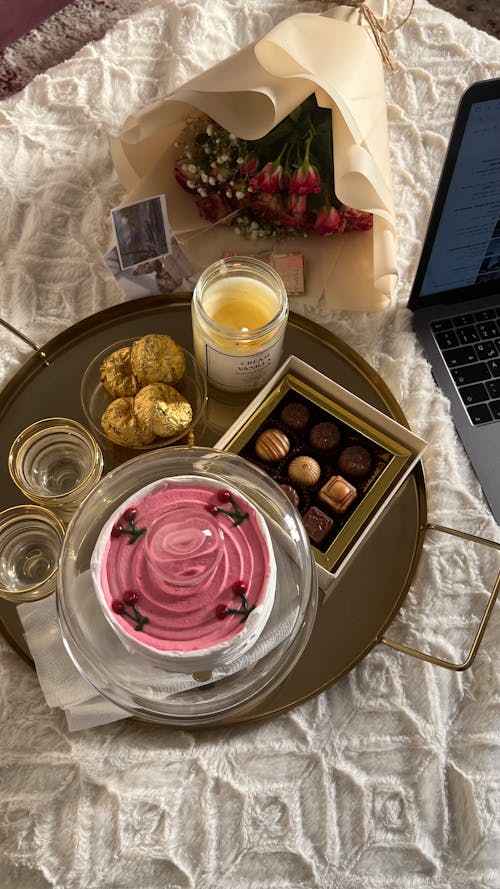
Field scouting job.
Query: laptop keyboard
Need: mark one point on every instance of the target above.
(470, 346)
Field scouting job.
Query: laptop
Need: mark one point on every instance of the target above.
(455, 296)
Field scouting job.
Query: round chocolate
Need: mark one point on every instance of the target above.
(157, 358)
(272, 445)
(355, 461)
(295, 416)
(122, 425)
(291, 493)
(304, 471)
(163, 409)
(324, 436)
(116, 374)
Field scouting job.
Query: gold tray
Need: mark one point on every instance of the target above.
(375, 582)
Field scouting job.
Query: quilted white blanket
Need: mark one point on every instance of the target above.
(389, 779)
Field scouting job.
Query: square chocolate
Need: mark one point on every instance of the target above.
(338, 494)
(317, 524)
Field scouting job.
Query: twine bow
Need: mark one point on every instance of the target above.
(377, 27)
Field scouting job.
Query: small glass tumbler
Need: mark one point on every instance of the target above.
(31, 539)
(56, 462)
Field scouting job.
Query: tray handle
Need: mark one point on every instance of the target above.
(36, 348)
(432, 659)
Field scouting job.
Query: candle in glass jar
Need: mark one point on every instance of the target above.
(239, 314)
(241, 303)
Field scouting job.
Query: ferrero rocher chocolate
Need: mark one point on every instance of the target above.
(163, 409)
(142, 379)
(122, 425)
(157, 358)
(116, 374)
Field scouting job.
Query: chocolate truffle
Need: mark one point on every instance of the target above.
(295, 416)
(317, 524)
(304, 471)
(338, 494)
(291, 493)
(324, 436)
(355, 461)
(272, 445)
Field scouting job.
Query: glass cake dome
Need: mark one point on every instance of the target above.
(139, 683)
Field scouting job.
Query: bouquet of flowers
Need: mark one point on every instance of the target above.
(278, 185)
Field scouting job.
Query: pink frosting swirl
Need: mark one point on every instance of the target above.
(184, 565)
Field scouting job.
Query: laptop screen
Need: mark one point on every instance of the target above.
(461, 254)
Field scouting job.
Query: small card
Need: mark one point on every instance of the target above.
(290, 266)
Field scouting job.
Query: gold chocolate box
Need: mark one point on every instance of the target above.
(339, 459)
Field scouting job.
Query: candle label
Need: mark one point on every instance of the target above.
(242, 371)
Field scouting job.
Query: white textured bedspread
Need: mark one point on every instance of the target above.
(391, 778)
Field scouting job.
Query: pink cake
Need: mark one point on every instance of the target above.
(184, 570)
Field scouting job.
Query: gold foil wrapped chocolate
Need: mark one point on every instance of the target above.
(116, 374)
(157, 358)
(163, 409)
(142, 379)
(123, 426)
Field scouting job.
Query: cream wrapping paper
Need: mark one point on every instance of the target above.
(331, 55)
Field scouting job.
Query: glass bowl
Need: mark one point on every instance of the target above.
(136, 682)
(31, 538)
(95, 400)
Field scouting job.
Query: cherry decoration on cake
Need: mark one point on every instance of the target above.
(128, 518)
(235, 513)
(130, 597)
(239, 589)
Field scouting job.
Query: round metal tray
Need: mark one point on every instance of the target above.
(373, 585)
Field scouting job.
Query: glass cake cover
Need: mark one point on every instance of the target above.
(137, 677)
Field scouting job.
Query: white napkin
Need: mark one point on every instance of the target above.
(62, 684)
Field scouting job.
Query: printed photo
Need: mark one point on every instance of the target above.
(142, 231)
(163, 274)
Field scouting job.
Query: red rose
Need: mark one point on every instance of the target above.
(267, 206)
(211, 208)
(269, 180)
(248, 166)
(305, 180)
(356, 220)
(296, 209)
(328, 221)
